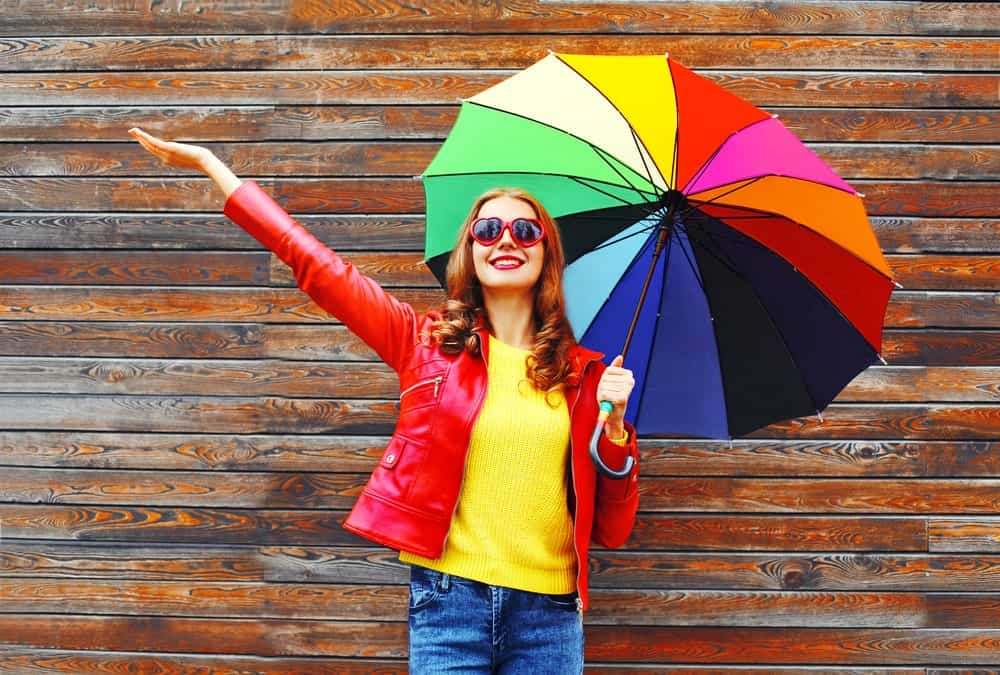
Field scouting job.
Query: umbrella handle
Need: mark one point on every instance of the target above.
(602, 416)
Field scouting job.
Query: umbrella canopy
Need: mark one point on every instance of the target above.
(739, 270)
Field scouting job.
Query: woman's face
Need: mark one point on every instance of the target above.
(505, 265)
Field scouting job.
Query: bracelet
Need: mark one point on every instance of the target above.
(616, 440)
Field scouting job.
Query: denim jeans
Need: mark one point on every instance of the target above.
(458, 625)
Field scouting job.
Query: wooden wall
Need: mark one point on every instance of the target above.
(182, 431)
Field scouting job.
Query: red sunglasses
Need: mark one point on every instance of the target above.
(525, 231)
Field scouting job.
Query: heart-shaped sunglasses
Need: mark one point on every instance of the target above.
(525, 231)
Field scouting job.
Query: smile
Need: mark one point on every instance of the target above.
(506, 263)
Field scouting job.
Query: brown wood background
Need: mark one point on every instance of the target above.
(182, 431)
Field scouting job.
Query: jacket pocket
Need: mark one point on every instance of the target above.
(421, 393)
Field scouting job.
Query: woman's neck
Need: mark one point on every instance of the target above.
(512, 317)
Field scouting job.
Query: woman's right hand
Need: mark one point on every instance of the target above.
(180, 155)
(186, 156)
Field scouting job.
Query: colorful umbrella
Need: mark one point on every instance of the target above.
(738, 271)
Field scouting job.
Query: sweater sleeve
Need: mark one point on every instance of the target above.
(383, 322)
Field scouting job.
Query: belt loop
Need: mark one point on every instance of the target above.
(445, 578)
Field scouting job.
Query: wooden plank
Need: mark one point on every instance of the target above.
(323, 159)
(614, 569)
(971, 199)
(267, 414)
(212, 268)
(271, 414)
(906, 309)
(179, 525)
(186, 377)
(788, 571)
(207, 562)
(326, 490)
(246, 452)
(904, 235)
(189, 232)
(230, 414)
(231, 377)
(86, 662)
(338, 602)
(322, 123)
(259, 637)
(797, 495)
(822, 646)
(764, 88)
(304, 342)
(190, 489)
(966, 535)
(191, 340)
(785, 532)
(940, 347)
(348, 52)
(734, 645)
(117, 17)
(275, 305)
(799, 457)
(389, 269)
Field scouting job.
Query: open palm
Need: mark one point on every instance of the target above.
(180, 155)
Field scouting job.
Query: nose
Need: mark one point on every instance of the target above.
(506, 238)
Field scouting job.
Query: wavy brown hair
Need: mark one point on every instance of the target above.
(549, 366)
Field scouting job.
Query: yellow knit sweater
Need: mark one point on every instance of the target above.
(512, 526)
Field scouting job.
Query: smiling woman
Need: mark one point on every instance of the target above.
(486, 487)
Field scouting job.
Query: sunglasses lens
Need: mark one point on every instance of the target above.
(487, 229)
(526, 231)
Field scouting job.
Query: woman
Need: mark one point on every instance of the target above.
(486, 487)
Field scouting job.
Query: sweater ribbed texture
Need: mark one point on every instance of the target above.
(512, 526)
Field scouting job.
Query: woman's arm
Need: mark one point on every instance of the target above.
(384, 323)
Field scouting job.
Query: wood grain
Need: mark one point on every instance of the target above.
(762, 88)
(348, 52)
(324, 159)
(278, 122)
(108, 17)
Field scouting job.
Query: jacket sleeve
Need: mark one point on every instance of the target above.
(384, 323)
(617, 500)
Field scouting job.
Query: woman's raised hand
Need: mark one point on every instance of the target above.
(180, 155)
(186, 156)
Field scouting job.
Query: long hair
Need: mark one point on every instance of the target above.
(548, 364)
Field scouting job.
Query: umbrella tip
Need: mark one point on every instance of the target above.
(820, 415)
(419, 177)
(898, 285)
(881, 359)
(860, 194)
(774, 116)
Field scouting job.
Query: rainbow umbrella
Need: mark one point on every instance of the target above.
(737, 272)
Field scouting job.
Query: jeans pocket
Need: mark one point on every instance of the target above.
(565, 601)
(425, 587)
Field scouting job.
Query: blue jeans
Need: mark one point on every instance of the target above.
(458, 625)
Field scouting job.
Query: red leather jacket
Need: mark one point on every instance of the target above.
(412, 494)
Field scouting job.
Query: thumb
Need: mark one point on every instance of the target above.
(618, 361)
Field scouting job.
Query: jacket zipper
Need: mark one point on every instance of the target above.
(576, 495)
(437, 384)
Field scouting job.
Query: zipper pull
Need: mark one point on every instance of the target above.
(437, 384)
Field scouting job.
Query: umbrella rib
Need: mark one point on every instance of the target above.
(763, 307)
(600, 153)
(656, 329)
(612, 241)
(701, 203)
(596, 189)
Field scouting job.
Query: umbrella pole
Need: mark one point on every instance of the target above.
(606, 407)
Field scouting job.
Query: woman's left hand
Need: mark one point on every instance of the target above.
(615, 386)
